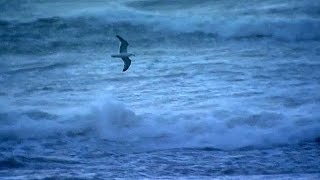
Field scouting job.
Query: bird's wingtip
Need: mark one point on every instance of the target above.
(119, 37)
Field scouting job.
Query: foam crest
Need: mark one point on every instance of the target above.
(219, 129)
(224, 129)
(119, 19)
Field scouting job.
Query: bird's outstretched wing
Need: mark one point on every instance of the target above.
(123, 44)
(127, 63)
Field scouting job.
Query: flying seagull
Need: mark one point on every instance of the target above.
(123, 53)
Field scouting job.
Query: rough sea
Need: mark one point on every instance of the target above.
(217, 89)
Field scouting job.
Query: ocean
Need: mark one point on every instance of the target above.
(216, 89)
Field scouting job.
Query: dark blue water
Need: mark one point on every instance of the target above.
(217, 89)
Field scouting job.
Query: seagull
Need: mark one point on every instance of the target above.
(123, 53)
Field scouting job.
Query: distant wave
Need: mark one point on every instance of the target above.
(10, 163)
(61, 33)
(19, 161)
(109, 22)
(95, 27)
(286, 29)
(39, 68)
(114, 122)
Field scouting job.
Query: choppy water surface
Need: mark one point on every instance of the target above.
(217, 89)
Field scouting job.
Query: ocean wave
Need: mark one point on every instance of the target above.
(74, 34)
(39, 68)
(240, 27)
(97, 27)
(113, 121)
(10, 163)
(20, 161)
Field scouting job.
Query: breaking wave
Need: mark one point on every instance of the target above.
(112, 121)
(95, 27)
(305, 28)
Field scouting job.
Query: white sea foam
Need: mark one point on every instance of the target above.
(226, 129)
(240, 22)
